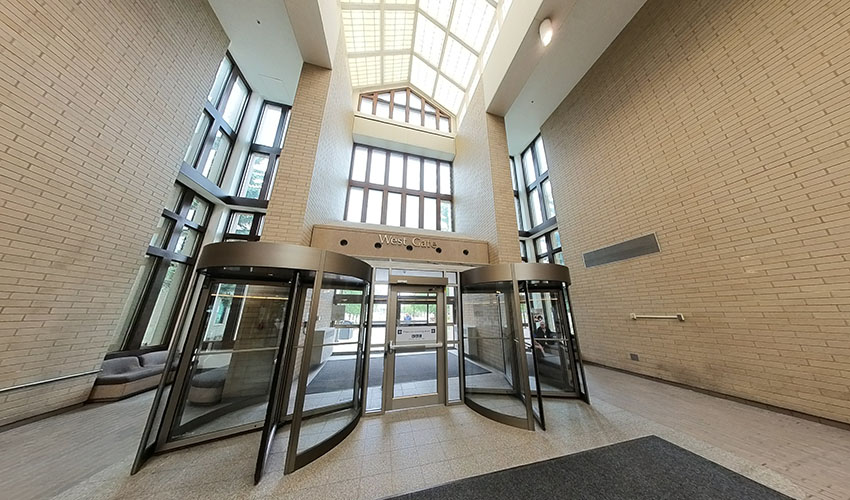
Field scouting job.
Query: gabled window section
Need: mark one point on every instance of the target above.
(215, 132)
(399, 189)
(405, 106)
(264, 155)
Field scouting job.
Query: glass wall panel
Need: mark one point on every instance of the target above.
(167, 301)
(374, 205)
(197, 140)
(411, 218)
(377, 167)
(217, 157)
(430, 214)
(252, 185)
(269, 122)
(393, 209)
(232, 361)
(235, 103)
(355, 204)
(358, 164)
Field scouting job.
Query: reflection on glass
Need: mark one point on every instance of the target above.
(551, 339)
(491, 367)
(240, 223)
(255, 174)
(217, 156)
(187, 241)
(229, 380)
(445, 215)
(165, 305)
(198, 211)
(559, 258)
(453, 375)
(198, 137)
(267, 130)
(556, 239)
(355, 204)
(235, 103)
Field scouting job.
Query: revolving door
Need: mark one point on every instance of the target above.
(277, 341)
(519, 341)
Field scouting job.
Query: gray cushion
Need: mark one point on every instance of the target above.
(153, 358)
(123, 378)
(210, 378)
(116, 366)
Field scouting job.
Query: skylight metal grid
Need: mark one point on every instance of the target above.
(434, 46)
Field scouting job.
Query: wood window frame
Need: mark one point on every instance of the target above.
(406, 91)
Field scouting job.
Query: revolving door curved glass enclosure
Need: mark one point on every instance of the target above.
(519, 341)
(277, 341)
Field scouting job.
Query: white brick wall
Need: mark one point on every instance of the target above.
(723, 127)
(97, 102)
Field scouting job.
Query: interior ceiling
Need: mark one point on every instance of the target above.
(263, 45)
(435, 46)
(583, 29)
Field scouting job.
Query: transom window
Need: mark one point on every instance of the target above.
(399, 189)
(244, 226)
(405, 105)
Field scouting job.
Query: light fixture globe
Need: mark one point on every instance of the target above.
(546, 31)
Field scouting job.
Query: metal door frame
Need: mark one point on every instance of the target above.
(390, 401)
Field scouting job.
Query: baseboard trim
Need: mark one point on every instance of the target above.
(40, 416)
(750, 402)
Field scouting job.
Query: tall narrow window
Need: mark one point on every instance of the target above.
(164, 275)
(215, 133)
(264, 156)
(398, 189)
(534, 200)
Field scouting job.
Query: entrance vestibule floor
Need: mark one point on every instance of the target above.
(87, 453)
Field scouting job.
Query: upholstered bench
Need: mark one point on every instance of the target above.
(123, 377)
(207, 386)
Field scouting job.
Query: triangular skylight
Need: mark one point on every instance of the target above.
(434, 46)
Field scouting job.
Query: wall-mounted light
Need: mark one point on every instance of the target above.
(546, 31)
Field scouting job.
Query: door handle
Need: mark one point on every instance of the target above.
(393, 346)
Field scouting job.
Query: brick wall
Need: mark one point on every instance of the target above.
(483, 195)
(722, 126)
(97, 103)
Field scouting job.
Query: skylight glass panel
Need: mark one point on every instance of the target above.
(440, 10)
(490, 43)
(396, 68)
(362, 30)
(458, 62)
(398, 29)
(365, 71)
(422, 76)
(448, 94)
(471, 22)
(429, 40)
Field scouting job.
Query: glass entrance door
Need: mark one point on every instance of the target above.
(415, 365)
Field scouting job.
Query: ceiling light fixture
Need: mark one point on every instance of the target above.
(546, 31)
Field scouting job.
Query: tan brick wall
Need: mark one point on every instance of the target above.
(722, 126)
(288, 199)
(97, 103)
(483, 195)
(326, 202)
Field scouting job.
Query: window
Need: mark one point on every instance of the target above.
(547, 248)
(264, 156)
(215, 132)
(406, 106)
(535, 205)
(398, 189)
(162, 279)
(244, 226)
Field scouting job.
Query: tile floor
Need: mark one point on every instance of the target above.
(74, 456)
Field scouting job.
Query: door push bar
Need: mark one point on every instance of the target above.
(679, 316)
(393, 346)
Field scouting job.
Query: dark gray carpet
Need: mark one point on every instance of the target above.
(337, 373)
(647, 468)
